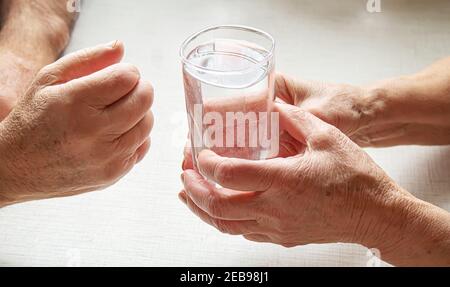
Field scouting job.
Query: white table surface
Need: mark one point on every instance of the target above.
(140, 221)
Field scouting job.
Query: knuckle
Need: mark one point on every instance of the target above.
(142, 133)
(282, 226)
(333, 132)
(268, 180)
(323, 138)
(301, 114)
(112, 172)
(226, 227)
(148, 88)
(215, 207)
(143, 99)
(47, 76)
(147, 126)
(316, 111)
(221, 226)
(126, 73)
(288, 245)
(45, 100)
(224, 171)
(147, 96)
(85, 55)
(121, 145)
(130, 68)
(283, 239)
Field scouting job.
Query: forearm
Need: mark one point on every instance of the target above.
(31, 33)
(410, 232)
(16, 74)
(26, 45)
(412, 109)
(421, 98)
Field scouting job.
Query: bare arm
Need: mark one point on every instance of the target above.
(330, 192)
(412, 109)
(33, 34)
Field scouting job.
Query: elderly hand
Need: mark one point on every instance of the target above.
(83, 124)
(412, 109)
(331, 192)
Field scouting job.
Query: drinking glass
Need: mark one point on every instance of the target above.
(229, 78)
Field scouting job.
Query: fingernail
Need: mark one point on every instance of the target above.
(113, 44)
(182, 178)
(182, 197)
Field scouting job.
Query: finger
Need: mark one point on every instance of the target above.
(143, 150)
(187, 157)
(222, 105)
(82, 63)
(289, 146)
(239, 174)
(130, 109)
(220, 203)
(104, 87)
(258, 237)
(291, 91)
(301, 125)
(131, 140)
(232, 227)
(118, 168)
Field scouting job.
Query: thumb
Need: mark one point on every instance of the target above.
(291, 91)
(82, 63)
(302, 125)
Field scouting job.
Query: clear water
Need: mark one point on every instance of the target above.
(243, 88)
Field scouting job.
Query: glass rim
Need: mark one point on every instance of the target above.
(257, 65)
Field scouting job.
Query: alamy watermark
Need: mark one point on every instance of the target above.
(235, 129)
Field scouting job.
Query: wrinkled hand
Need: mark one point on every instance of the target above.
(349, 108)
(376, 115)
(331, 192)
(83, 124)
(344, 106)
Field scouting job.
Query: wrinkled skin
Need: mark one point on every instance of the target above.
(49, 16)
(33, 34)
(323, 187)
(340, 105)
(280, 200)
(82, 125)
(383, 114)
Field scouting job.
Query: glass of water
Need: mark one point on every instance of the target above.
(229, 79)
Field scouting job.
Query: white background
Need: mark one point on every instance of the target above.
(140, 220)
